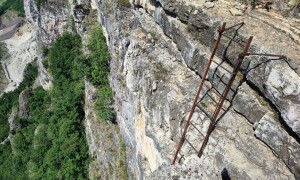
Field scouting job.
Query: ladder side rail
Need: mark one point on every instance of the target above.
(220, 31)
(216, 113)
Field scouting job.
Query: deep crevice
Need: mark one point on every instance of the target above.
(274, 109)
(155, 3)
(285, 59)
(137, 6)
(275, 154)
(172, 14)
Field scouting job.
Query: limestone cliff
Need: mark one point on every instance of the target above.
(156, 66)
(155, 62)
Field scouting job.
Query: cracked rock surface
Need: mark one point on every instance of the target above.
(159, 50)
(156, 68)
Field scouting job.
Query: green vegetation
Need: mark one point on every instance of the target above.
(239, 75)
(195, 33)
(200, 40)
(3, 50)
(8, 100)
(91, 19)
(154, 36)
(190, 28)
(13, 166)
(160, 72)
(122, 171)
(124, 3)
(65, 125)
(98, 72)
(203, 104)
(39, 3)
(45, 51)
(109, 7)
(15, 5)
(51, 143)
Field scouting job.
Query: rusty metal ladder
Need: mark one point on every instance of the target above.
(222, 96)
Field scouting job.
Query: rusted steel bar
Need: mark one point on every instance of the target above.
(221, 80)
(259, 54)
(217, 92)
(196, 129)
(210, 96)
(219, 65)
(220, 31)
(239, 24)
(205, 112)
(182, 155)
(214, 100)
(190, 144)
(216, 113)
(212, 88)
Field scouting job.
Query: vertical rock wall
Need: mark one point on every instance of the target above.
(156, 67)
(155, 62)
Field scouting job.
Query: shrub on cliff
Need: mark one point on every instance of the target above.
(8, 100)
(3, 50)
(16, 5)
(124, 3)
(98, 72)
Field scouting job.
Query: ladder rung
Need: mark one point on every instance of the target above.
(221, 80)
(214, 100)
(219, 65)
(205, 112)
(191, 144)
(212, 88)
(182, 155)
(196, 128)
(217, 92)
(210, 96)
(230, 38)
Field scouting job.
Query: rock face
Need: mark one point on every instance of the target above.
(48, 19)
(280, 84)
(159, 51)
(3, 81)
(209, 5)
(22, 49)
(51, 19)
(155, 61)
(23, 105)
(235, 12)
(13, 127)
(105, 142)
